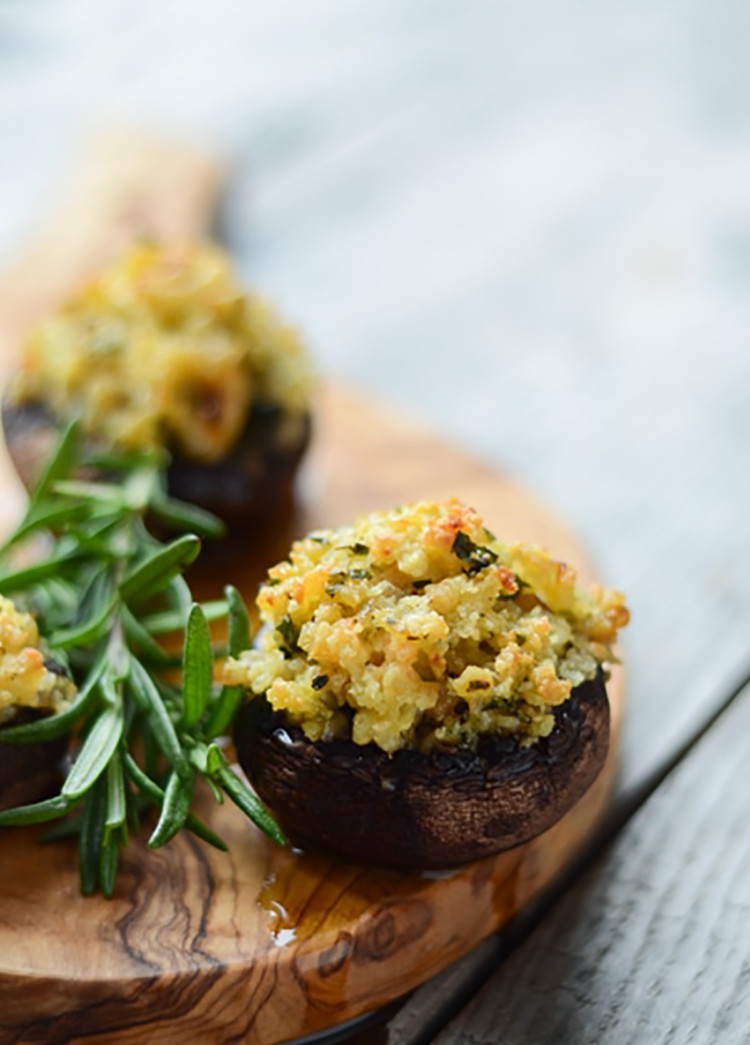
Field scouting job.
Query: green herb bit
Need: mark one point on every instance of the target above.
(289, 632)
(476, 556)
(336, 582)
(103, 594)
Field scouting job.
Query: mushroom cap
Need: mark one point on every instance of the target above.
(411, 810)
(252, 482)
(29, 772)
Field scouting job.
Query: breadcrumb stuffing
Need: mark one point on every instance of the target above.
(418, 628)
(25, 681)
(165, 349)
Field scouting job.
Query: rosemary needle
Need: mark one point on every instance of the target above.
(103, 592)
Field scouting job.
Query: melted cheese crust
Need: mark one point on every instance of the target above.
(417, 628)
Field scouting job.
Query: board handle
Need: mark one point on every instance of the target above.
(127, 185)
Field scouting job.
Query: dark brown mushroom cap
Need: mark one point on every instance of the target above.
(29, 772)
(416, 811)
(253, 482)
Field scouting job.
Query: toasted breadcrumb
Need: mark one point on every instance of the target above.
(25, 681)
(427, 632)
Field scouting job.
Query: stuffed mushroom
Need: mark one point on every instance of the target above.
(422, 694)
(165, 352)
(30, 686)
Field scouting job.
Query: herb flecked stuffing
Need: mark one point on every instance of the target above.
(428, 632)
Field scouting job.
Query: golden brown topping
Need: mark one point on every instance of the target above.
(165, 349)
(426, 631)
(24, 679)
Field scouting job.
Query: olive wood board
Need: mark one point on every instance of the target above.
(260, 945)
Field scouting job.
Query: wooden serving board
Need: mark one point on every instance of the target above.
(263, 945)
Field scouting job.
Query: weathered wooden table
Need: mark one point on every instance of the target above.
(529, 224)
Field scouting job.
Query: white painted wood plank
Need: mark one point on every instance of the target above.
(652, 944)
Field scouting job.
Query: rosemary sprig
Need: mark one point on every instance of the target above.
(103, 592)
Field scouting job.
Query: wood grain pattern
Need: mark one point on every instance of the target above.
(261, 945)
(652, 944)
